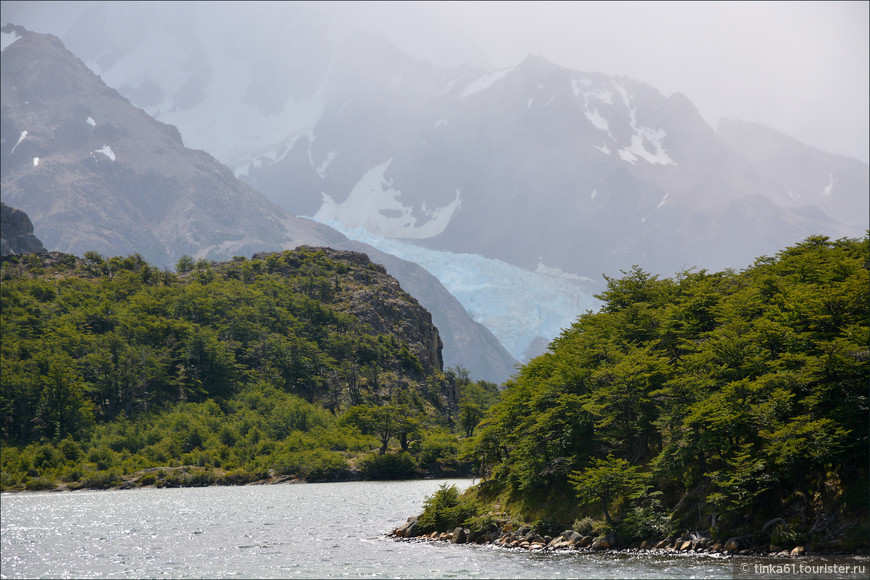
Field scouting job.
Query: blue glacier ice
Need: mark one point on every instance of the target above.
(525, 310)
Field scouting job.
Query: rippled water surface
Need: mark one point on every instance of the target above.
(324, 530)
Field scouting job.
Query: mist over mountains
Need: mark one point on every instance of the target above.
(565, 175)
(94, 173)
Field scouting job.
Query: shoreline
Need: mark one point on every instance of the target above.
(571, 541)
(188, 474)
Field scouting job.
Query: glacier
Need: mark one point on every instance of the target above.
(525, 310)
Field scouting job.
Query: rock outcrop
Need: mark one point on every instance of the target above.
(16, 233)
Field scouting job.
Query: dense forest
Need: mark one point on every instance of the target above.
(728, 402)
(310, 364)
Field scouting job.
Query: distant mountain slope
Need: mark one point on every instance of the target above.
(95, 173)
(809, 176)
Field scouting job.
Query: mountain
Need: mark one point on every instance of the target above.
(544, 168)
(16, 233)
(95, 173)
(538, 164)
(808, 175)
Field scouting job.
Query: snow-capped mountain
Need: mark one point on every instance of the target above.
(535, 166)
(587, 172)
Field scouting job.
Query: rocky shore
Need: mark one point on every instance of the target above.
(526, 539)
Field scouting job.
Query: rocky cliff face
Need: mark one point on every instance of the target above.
(16, 233)
(368, 293)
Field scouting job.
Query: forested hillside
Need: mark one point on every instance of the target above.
(728, 402)
(310, 363)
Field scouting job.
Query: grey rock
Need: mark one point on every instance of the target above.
(16, 233)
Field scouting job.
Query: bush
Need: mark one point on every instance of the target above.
(785, 535)
(584, 526)
(100, 479)
(547, 528)
(322, 465)
(239, 477)
(102, 457)
(38, 484)
(389, 466)
(438, 447)
(446, 510)
(148, 479)
(70, 450)
(481, 524)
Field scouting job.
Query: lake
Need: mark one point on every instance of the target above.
(317, 530)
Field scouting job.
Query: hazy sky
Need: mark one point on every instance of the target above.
(798, 67)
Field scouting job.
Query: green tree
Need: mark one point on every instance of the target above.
(608, 481)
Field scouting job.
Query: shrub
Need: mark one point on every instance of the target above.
(584, 526)
(389, 466)
(148, 479)
(239, 477)
(547, 528)
(785, 535)
(445, 510)
(70, 449)
(102, 457)
(45, 457)
(38, 484)
(438, 446)
(481, 524)
(100, 479)
(322, 465)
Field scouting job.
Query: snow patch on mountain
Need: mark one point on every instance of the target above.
(321, 169)
(523, 309)
(603, 95)
(829, 189)
(17, 143)
(627, 156)
(90, 121)
(655, 138)
(373, 204)
(642, 135)
(105, 150)
(596, 119)
(484, 82)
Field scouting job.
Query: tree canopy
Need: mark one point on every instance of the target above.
(248, 364)
(730, 398)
